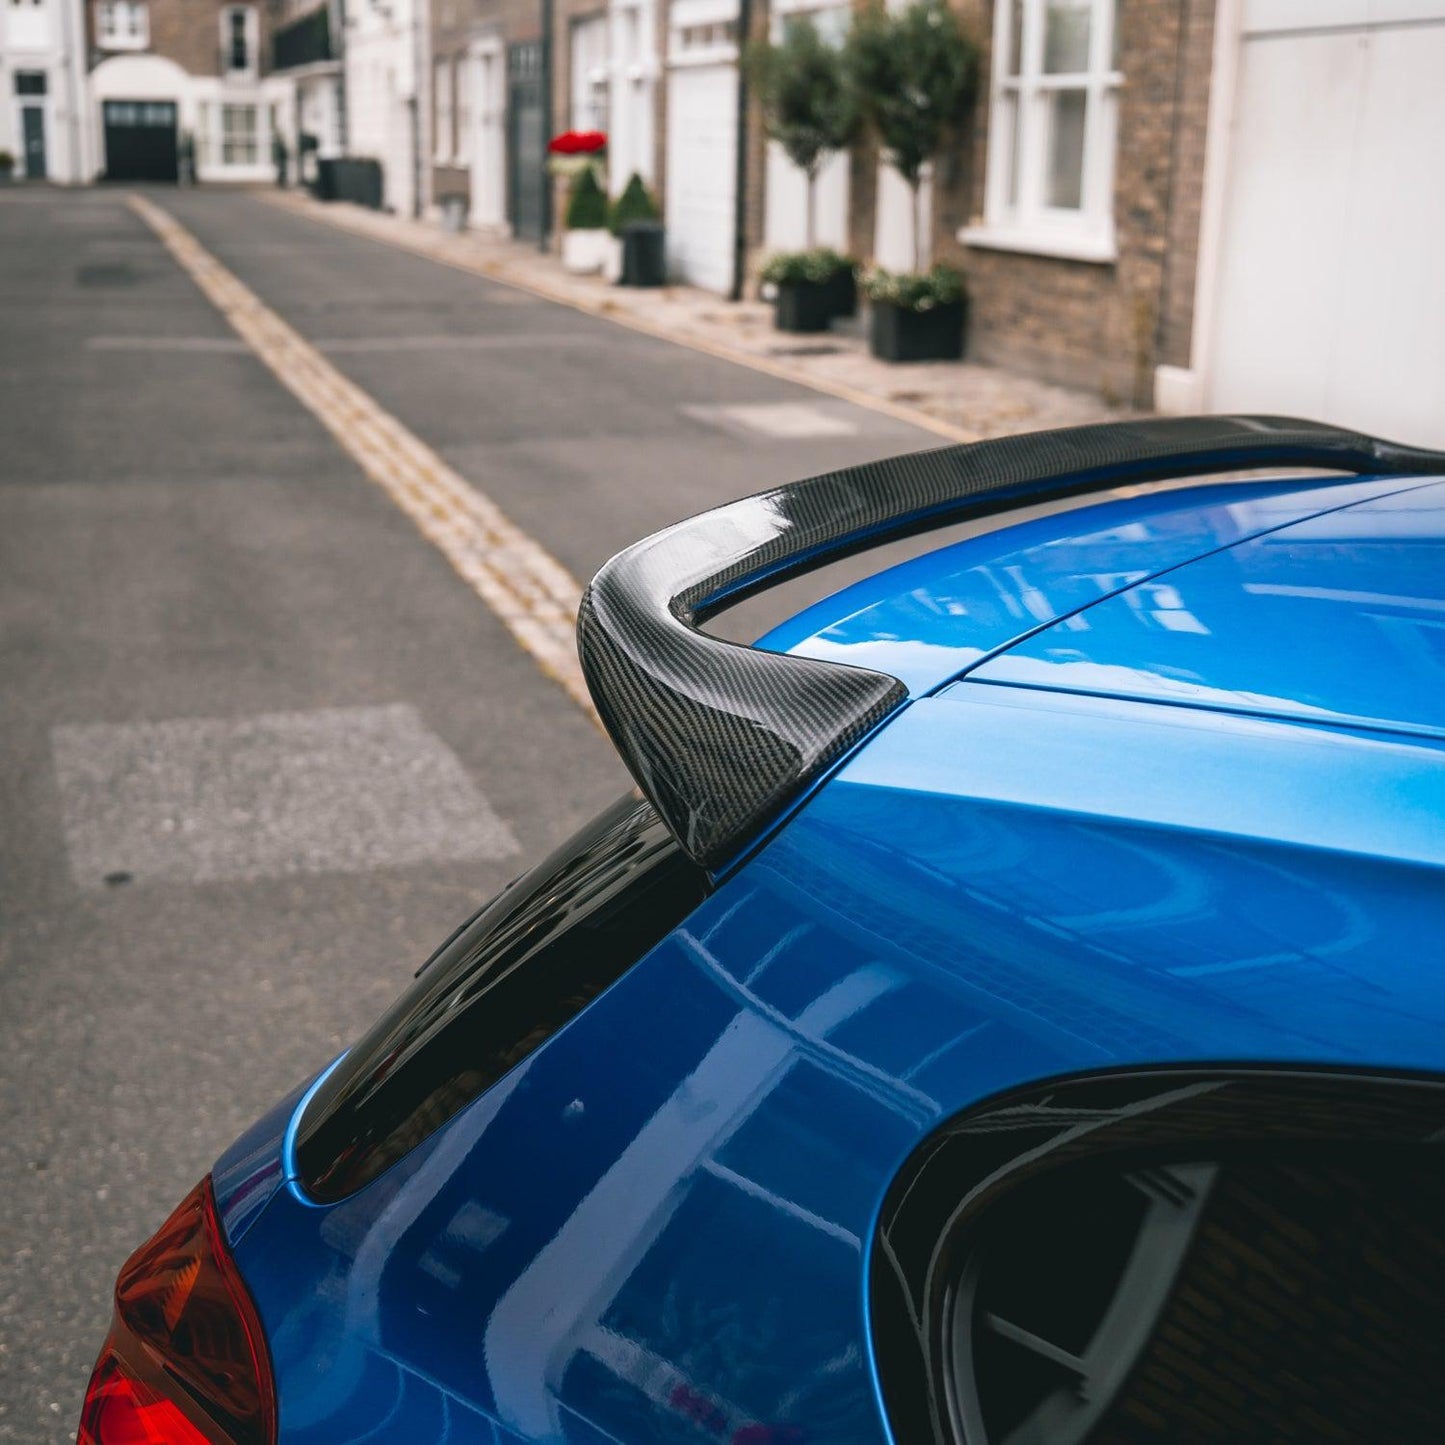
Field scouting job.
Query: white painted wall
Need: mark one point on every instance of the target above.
(49, 38)
(488, 148)
(631, 138)
(702, 96)
(387, 95)
(893, 222)
(318, 109)
(785, 217)
(198, 100)
(1329, 293)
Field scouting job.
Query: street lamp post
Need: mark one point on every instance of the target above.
(740, 178)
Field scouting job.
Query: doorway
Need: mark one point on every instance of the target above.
(140, 140)
(526, 143)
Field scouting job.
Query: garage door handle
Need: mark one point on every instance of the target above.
(722, 737)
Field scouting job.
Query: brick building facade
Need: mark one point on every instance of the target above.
(182, 85)
(1101, 323)
(1094, 308)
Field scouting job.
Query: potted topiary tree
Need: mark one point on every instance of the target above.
(915, 72)
(641, 254)
(584, 242)
(7, 167)
(916, 316)
(809, 108)
(809, 287)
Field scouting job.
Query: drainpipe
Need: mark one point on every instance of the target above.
(341, 111)
(546, 58)
(70, 61)
(740, 194)
(417, 111)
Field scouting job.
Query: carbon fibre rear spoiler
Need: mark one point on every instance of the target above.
(720, 737)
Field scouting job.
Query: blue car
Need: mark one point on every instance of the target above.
(1011, 1009)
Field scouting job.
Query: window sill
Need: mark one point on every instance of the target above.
(1098, 250)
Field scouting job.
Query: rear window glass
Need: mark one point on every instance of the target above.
(504, 984)
(1294, 1295)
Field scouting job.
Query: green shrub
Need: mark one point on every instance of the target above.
(914, 290)
(915, 71)
(7, 161)
(587, 205)
(634, 204)
(787, 268)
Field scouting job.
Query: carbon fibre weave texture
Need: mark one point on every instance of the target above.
(720, 737)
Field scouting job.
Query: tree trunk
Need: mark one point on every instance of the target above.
(812, 174)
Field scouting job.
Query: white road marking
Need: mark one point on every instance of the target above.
(211, 799)
(533, 594)
(782, 420)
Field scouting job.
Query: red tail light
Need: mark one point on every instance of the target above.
(185, 1362)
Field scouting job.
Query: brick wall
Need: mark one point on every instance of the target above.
(1182, 253)
(1102, 327)
(755, 191)
(189, 32)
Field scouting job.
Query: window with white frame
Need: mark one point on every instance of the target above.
(239, 141)
(238, 40)
(122, 25)
(1052, 123)
(442, 97)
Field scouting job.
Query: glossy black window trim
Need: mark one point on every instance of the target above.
(967, 1166)
(498, 989)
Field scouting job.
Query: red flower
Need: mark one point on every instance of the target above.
(577, 143)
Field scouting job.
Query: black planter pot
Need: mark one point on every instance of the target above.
(804, 306)
(644, 254)
(898, 334)
(842, 287)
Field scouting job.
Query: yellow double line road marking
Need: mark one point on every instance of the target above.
(534, 595)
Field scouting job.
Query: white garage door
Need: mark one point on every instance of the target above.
(702, 108)
(1331, 284)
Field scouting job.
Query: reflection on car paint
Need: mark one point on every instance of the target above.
(929, 619)
(653, 1230)
(1263, 626)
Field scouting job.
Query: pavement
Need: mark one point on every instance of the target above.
(957, 400)
(265, 739)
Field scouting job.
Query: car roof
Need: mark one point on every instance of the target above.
(1084, 797)
(1339, 618)
(1049, 601)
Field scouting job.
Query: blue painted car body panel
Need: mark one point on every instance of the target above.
(1339, 618)
(929, 619)
(655, 1228)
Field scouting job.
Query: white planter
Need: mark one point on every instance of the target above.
(612, 259)
(583, 252)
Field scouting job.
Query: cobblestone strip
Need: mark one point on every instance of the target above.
(534, 595)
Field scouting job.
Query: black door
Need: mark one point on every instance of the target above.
(34, 142)
(526, 144)
(140, 140)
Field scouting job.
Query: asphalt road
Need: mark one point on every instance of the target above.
(260, 747)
